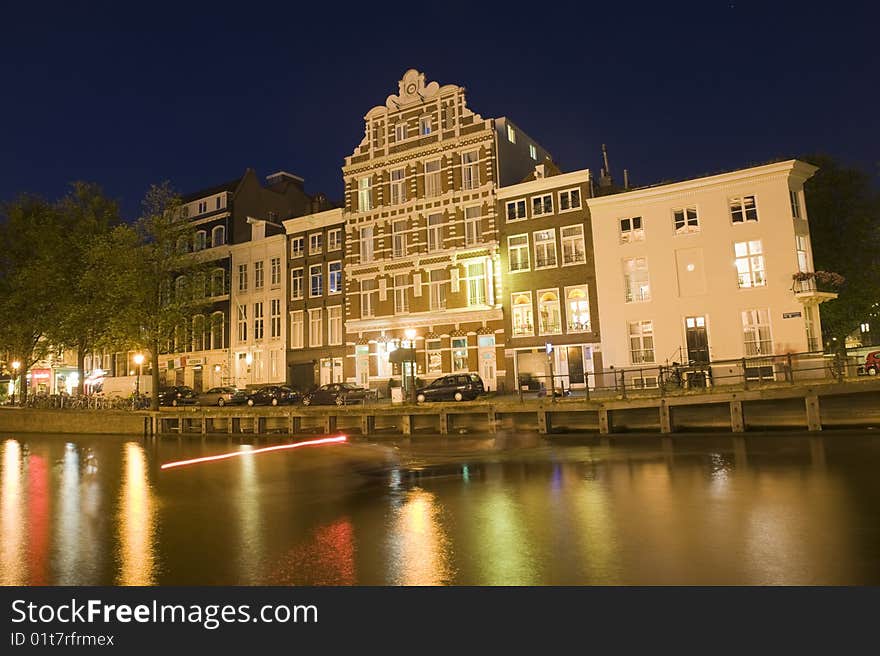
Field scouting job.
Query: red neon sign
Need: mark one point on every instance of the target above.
(236, 454)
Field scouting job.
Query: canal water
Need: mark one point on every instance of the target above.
(508, 509)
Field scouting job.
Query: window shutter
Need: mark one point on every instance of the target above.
(417, 284)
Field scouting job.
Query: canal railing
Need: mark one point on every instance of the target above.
(811, 407)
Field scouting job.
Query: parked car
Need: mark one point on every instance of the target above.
(455, 387)
(336, 393)
(221, 396)
(872, 363)
(178, 395)
(273, 395)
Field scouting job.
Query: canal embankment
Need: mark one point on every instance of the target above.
(829, 405)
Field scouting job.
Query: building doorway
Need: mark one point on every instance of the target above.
(697, 340)
(198, 384)
(488, 366)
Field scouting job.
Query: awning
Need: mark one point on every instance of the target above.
(401, 355)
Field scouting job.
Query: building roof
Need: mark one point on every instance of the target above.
(232, 185)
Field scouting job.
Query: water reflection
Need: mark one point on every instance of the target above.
(12, 528)
(250, 549)
(136, 521)
(68, 538)
(419, 549)
(38, 519)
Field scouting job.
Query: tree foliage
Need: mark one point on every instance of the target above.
(844, 209)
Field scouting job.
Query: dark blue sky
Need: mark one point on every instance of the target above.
(106, 93)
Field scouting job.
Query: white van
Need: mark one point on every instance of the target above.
(124, 386)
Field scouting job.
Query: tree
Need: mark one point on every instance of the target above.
(843, 210)
(84, 307)
(155, 285)
(32, 244)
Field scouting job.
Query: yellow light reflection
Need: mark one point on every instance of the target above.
(251, 547)
(421, 550)
(68, 527)
(136, 521)
(12, 570)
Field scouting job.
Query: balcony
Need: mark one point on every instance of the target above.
(814, 287)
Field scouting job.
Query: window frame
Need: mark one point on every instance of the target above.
(571, 208)
(517, 217)
(540, 202)
(302, 283)
(631, 234)
(742, 209)
(545, 243)
(297, 247)
(518, 327)
(519, 247)
(319, 277)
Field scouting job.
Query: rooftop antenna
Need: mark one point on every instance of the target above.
(626, 178)
(605, 174)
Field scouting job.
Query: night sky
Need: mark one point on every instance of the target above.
(196, 95)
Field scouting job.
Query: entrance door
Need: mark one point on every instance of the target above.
(198, 385)
(576, 366)
(697, 340)
(337, 370)
(486, 353)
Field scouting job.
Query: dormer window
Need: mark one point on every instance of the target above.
(203, 206)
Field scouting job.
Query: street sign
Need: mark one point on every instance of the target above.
(790, 315)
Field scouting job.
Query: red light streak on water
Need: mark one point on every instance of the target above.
(235, 454)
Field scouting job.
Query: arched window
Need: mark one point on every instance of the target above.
(217, 330)
(523, 324)
(180, 338)
(198, 332)
(201, 240)
(218, 282)
(218, 236)
(548, 312)
(577, 309)
(180, 289)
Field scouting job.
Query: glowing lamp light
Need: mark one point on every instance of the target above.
(16, 365)
(248, 359)
(138, 359)
(235, 454)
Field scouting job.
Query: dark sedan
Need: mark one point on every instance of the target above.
(336, 394)
(178, 395)
(273, 395)
(457, 387)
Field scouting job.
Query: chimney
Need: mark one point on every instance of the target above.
(626, 178)
(605, 174)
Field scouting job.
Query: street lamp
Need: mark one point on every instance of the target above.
(411, 338)
(139, 361)
(15, 367)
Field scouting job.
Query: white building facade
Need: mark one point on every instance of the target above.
(702, 270)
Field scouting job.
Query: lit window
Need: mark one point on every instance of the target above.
(435, 232)
(631, 230)
(432, 178)
(438, 280)
(316, 242)
(296, 329)
(545, 248)
(242, 323)
(470, 171)
(641, 341)
(434, 355)
(549, 317)
(398, 239)
(459, 354)
(476, 283)
(635, 280)
(743, 208)
(334, 325)
(296, 284)
(749, 264)
(316, 280)
(521, 317)
(518, 253)
(315, 327)
(398, 186)
(577, 309)
(334, 277)
(756, 332)
(258, 321)
(365, 195)
(511, 134)
(573, 250)
(366, 244)
(425, 125)
(533, 152)
(472, 225)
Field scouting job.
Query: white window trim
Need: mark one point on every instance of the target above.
(334, 235)
(528, 250)
(687, 230)
(535, 245)
(531, 306)
(302, 285)
(741, 198)
(568, 191)
(320, 248)
(330, 292)
(525, 215)
(302, 250)
(320, 268)
(542, 212)
(562, 241)
(538, 294)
